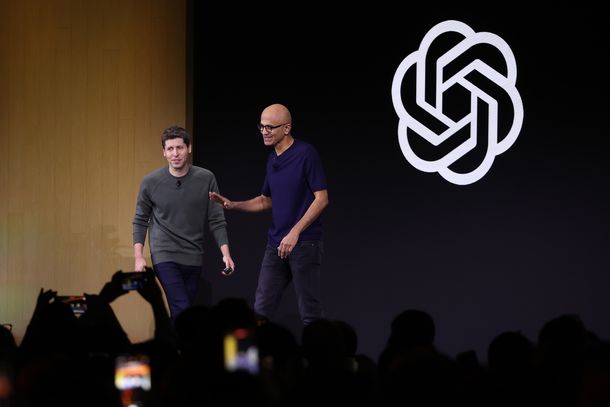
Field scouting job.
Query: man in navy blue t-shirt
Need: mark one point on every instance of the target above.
(295, 190)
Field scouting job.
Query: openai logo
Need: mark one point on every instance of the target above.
(457, 102)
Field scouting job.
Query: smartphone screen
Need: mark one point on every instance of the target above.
(133, 280)
(77, 303)
(240, 351)
(132, 378)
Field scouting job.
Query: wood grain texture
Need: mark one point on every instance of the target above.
(86, 88)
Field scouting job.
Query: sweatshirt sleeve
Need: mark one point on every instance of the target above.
(141, 218)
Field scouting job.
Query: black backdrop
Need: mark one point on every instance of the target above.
(526, 243)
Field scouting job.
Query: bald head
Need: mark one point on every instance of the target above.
(276, 113)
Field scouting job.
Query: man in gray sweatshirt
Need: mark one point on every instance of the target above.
(174, 208)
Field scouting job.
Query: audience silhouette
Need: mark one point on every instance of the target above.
(511, 364)
(68, 359)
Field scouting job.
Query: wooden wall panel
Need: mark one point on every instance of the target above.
(86, 87)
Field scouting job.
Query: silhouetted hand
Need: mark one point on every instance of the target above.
(113, 289)
(102, 327)
(95, 303)
(43, 300)
(152, 293)
(150, 290)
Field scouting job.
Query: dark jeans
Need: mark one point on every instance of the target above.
(302, 266)
(180, 284)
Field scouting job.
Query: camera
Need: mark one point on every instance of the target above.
(78, 303)
(132, 280)
(240, 351)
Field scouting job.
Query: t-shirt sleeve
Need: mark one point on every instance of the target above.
(266, 190)
(314, 171)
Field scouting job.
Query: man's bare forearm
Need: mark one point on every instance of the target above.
(313, 212)
(260, 203)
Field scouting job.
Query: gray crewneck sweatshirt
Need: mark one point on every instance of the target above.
(176, 212)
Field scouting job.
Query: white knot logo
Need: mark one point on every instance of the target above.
(457, 102)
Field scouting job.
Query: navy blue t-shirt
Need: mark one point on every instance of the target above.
(291, 180)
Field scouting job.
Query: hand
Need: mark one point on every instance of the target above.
(113, 289)
(95, 307)
(44, 298)
(216, 197)
(140, 264)
(229, 264)
(150, 290)
(287, 244)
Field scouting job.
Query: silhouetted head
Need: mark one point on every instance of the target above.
(323, 344)
(191, 327)
(276, 345)
(509, 352)
(349, 335)
(233, 313)
(412, 328)
(7, 340)
(563, 337)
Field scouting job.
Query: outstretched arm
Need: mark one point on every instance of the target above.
(151, 292)
(320, 202)
(258, 204)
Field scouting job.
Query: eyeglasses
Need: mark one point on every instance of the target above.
(269, 127)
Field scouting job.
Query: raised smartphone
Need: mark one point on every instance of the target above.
(78, 303)
(133, 379)
(240, 351)
(132, 280)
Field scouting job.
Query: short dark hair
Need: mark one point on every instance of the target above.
(175, 132)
